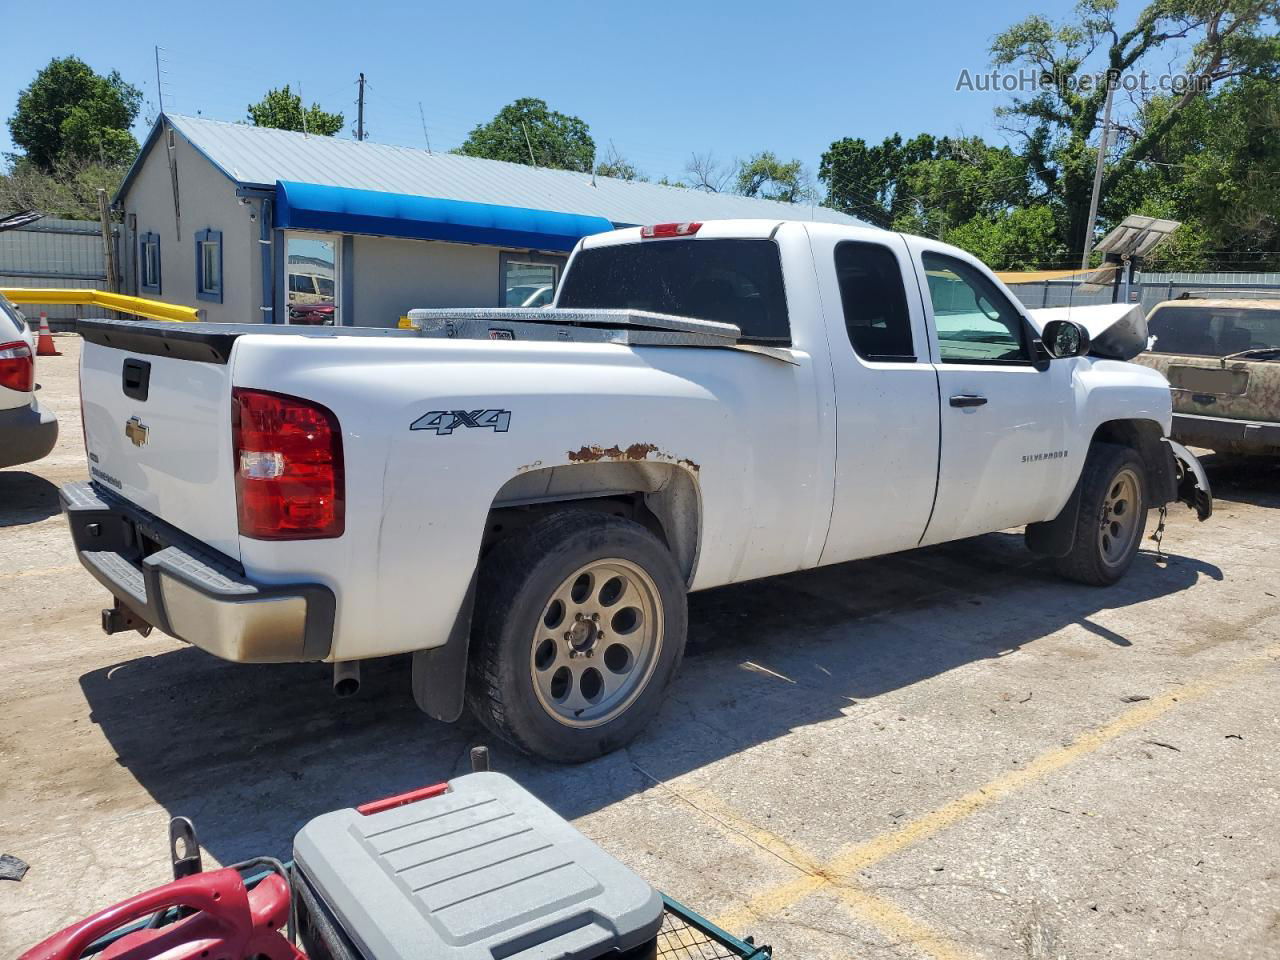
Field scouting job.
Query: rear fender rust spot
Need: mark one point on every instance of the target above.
(594, 453)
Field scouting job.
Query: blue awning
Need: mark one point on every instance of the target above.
(310, 206)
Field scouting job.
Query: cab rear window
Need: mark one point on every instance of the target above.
(728, 280)
(1206, 331)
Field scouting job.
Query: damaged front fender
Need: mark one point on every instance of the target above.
(1193, 483)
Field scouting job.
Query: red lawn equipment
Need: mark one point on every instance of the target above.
(471, 869)
(214, 916)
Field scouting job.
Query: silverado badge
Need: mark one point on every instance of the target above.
(136, 431)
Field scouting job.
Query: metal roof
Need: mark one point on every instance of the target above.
(260, 156)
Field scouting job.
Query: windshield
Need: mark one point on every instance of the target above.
(732, 281)
(1206, 331)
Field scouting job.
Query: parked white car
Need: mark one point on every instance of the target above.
(28, 431)
(522, 498)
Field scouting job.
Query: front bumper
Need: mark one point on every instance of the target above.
(27, 434)
(191, 592)
(1221, 433)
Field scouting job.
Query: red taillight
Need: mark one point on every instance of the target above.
(17, 366)
(289, 479)
(670, 229)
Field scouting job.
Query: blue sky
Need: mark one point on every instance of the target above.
(658, 79)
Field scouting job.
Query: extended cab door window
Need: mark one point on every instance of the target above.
(874, 302)
(975, 322)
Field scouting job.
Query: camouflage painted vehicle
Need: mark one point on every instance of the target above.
(1222, 359)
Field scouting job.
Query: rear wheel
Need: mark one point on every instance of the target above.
(580, 626)
(1112, 518)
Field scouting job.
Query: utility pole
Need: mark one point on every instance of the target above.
(360, 110)
(108, 243)
(1097, 173)
(302, 102)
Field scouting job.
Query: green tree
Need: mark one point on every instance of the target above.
(1023, 238)
(282, 110)
(529, 132)
(1226, 39)
(863, 180)
(70, 191)
(764, 175)
(926, 184)
(70, 114)
(1218, 171)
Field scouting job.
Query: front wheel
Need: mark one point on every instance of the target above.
(1112, 518)
(580, 625)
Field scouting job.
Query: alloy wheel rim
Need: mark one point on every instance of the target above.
(596, 643)
(1118, 520)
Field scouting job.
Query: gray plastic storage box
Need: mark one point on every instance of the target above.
(484, 871)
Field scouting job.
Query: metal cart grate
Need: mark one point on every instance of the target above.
(684, 935)
(687, 936)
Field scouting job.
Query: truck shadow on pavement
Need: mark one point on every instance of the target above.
(1254, 480)
(26, 498)
(253, 752)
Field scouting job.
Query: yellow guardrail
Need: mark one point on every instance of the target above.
(138, 306)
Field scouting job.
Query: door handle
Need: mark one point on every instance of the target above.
(968, 400)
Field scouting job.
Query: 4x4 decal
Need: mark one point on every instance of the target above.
(444, 422)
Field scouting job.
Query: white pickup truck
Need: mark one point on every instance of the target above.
(522, 498)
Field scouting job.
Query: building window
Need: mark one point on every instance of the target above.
(209, 265)
(149, 262)
(528, 279)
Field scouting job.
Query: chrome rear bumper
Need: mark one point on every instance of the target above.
(191, 592)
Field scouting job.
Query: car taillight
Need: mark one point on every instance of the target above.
(671, 229)
(289, 477)
(17, 367)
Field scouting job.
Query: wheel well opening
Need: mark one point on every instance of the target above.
(661, 497)
(1145, 437)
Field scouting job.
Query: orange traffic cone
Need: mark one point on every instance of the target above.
(45, 347)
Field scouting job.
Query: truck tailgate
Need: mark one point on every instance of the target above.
(158, 432)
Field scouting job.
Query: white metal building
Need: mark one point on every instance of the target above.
(251, 224)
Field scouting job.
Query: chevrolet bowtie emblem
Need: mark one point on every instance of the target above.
(136, 431)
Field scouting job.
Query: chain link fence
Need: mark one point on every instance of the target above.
(1152, 288)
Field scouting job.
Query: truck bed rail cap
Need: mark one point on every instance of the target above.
(435, 319)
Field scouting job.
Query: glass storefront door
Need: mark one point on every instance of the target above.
(311, 282)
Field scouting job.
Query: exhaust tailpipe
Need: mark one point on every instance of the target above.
(346, 678)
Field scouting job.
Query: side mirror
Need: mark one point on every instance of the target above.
(1065, 338)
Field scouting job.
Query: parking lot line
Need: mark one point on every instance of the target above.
(814, 876)
(838, 873)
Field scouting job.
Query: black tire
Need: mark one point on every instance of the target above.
(517, 581)
(1089, 562)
